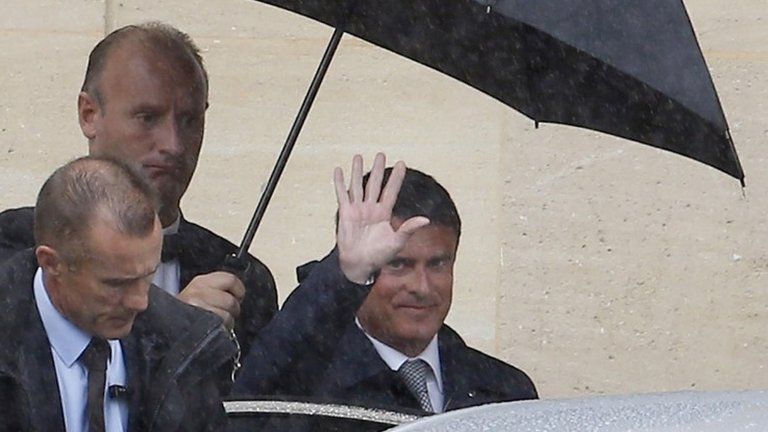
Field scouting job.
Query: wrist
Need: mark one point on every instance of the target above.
(357, 273)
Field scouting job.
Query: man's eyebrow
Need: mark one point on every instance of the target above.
(121, 280)
(443, 256)
(145, 106)
(401, 259)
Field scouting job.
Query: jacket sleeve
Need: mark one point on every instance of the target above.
(309, 325)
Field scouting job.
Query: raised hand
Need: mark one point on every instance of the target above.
(365, 238)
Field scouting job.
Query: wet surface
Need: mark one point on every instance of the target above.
(678, 412)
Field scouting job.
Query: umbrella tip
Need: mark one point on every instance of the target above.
(536, 124)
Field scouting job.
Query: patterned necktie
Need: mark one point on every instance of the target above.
(414, 374)
(94, 358)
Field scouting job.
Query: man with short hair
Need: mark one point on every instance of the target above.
(88, 343)
(389, 347)
(143, 101)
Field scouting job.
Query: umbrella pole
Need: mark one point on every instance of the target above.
(282, 160)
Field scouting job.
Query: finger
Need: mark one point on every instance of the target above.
(210, 298)
(356, 183)
(228, 282)
(342, 196)
(236, 288)
(392, 188)
(229, 320)
(225, 315)
(411, 225)
(224, 281)
(222, 300)
(373, 188)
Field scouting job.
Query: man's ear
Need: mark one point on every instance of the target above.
(87, 111)
(48, 259)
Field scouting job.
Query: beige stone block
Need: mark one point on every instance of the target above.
(52, 17)
(222, 19)
(45, 47)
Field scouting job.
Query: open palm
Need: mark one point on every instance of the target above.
(365, 238)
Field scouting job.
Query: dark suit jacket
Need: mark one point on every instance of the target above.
(355, 374)
(324, 356)
(303, 330)
(172, 356)
(205, 254)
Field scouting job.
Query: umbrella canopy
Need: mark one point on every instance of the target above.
(628, 68)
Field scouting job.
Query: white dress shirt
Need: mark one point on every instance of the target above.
(67, 342)
(168, 274)
(431, 354)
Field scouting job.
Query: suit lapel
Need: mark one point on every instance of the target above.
(359, 376)
(37, 372)
(356, 360)
(40, 382)
(187, 264)
(144, 350)
(460, 377)
(134, 355)
(200, 255)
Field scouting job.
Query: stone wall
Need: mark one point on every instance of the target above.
(596, 264)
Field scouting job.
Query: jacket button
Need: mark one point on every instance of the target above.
(471, 394)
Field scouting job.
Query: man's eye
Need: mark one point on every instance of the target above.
(396, 264)
(191, 120)
(116, 283)
(439, 262)
(146, 117)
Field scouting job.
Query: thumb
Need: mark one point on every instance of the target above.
(411, 225)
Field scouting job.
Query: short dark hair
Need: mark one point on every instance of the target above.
(158, 35)
(74, 194)
(422, 195)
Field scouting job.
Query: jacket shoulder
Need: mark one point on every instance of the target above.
(171, 316)
(16, 276)
(220, 246)
(183, 334)
(16, 231)
(507, 375)
(186, 353)
(497, 376)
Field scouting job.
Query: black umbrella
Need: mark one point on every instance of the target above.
(630, 68)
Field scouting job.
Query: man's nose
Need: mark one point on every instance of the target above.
(169, 139)
(420, 284)
(137, 297)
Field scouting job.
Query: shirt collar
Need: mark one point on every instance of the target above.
(394, 358)
(66, 339)
(174, 227)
